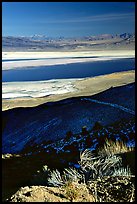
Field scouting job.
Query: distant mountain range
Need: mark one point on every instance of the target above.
(96, 37)
(43, 42)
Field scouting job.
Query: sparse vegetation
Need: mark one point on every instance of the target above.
(93, 168)
(112, 148)
(71, 191)
(104, 169)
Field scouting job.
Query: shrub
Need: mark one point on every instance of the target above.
(91, 167)
(98, 166)
(69, 134)
(94, 169)
(84, 131)
(97, 126)
(71, 191)
(112, 148)
(122, 172)
(69, 175)
(88, 141)
(56, 179)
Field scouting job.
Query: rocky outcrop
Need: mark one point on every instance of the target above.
(71, 193)
(106, 189)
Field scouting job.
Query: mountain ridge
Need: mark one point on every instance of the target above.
(42, 42)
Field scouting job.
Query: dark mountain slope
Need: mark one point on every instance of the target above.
(51, 121)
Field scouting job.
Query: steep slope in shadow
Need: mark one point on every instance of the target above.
(51, 121)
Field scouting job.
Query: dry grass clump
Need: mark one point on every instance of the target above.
(107, 162)
(112, 148)
(77, 192)
(71, 191)
(103, 167)
(91, 167)
(68, 175)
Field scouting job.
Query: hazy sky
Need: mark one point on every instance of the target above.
(67, 18)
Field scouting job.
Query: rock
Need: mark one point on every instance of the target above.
(38, 194)
(74, 193)
(8, 156)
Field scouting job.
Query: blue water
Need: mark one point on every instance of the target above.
(75, 70)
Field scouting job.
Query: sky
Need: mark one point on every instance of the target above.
(68, 19)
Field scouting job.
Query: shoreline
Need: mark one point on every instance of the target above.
(60, 54)
(50, 61)
(76, 88)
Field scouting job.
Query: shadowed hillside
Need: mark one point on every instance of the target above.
(51, 121)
